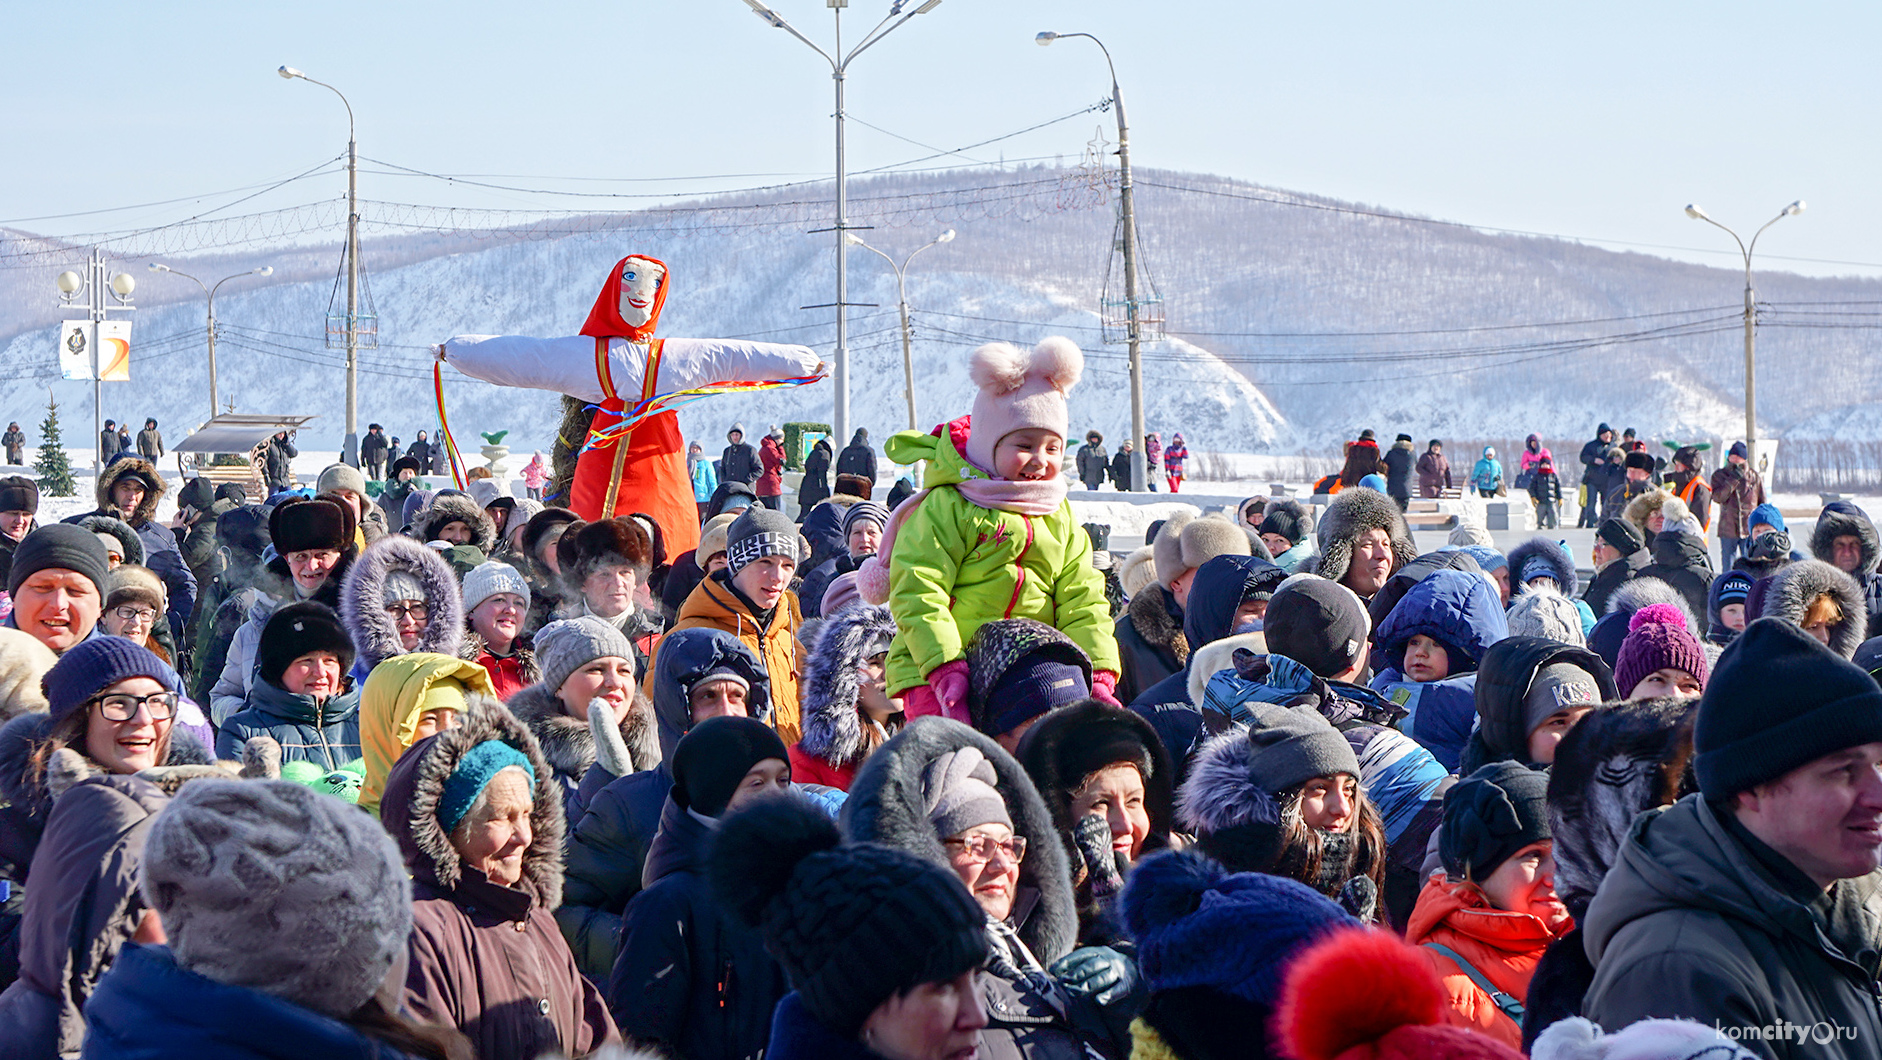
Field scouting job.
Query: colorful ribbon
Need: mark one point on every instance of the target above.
(458, 464)
(659, 403)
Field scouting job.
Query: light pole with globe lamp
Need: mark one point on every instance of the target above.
(1140, 470)
(265, 270)
(94, 283)
(1751, 319)
(349, 453)
(901, 289)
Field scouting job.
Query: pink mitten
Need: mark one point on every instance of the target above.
(949, 682)
(1104, 687)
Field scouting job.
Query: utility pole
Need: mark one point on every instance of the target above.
(901, 288)
(265, 270)
(1751, 318)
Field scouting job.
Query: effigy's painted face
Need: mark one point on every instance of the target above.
(640, 281)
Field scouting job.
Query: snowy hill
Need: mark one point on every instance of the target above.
(1294, 320)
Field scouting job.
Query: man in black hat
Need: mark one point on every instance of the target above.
(372, 451)
(1753, 905)
(1619, 553)
(1638, 479)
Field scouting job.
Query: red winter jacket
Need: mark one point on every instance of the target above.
(771, 483)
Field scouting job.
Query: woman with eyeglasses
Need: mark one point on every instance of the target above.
(400, 597)
(113, 704)
(133, 606)
(951, 795)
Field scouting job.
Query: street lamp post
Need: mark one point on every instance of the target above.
(839, 69)
(1751, 320)
(1126, 206)
(96, 281)
(349, 453)
(265, 270)
(901, 290)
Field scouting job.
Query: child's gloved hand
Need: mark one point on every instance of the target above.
(1104, 687)
(949, 684)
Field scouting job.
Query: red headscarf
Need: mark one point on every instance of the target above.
(604, 321)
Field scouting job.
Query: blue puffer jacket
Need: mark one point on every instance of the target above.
(326, 734)
(1463, 612)
(147, 1008)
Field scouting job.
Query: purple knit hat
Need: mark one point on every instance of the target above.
(1657, 639)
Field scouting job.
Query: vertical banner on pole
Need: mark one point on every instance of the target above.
(114, 351)
(75, 346)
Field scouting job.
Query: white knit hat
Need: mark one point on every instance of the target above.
(489, 578)
(1020, 389)
(1540, 612)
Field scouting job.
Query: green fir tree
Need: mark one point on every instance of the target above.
(55, 469)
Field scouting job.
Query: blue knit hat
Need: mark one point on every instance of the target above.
(1766, 515)
(473, 774)
(95, 664)
(1197, 924)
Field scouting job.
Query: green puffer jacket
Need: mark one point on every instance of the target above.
(958, 566)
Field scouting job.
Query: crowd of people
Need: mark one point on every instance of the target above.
(454, 774)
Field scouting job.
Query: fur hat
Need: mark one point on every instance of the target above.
(1138, 571)
(1543, 612)
(848, 485)
(1020, 389)
(587, 547)
(306, 523)
(1187, 542)
(851, 924)
(1643, 507)
(542, 525)
(453, 507)
(228, 862)
(341, 477)
(131, 583)
(1640, 459)
(1658, 639)
(1362, 994)
(296, 630)
(1621, 536)
(1353, 513)
(21, 494)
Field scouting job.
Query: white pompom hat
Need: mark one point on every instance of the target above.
(1020, 389)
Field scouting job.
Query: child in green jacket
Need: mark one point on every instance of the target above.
(992, 536)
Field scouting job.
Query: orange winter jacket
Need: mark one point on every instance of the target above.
(1503, 946)
(714, 606)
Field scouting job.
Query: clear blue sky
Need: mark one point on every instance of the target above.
(1591, 120)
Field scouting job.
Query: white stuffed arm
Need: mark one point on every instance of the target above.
(689, 363)
(565, 366)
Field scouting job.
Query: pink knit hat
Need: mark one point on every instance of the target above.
(1657, 639)
(1020, 390)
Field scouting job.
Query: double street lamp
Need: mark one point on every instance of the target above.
(839, 69)
(1751, 320)
(265, 270)
(901, 289)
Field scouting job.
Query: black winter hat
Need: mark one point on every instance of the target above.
(1008, 683)
(296, 630)
(1288, 519)
(406, 463)
(1641, 459)
(1489, 816)
(1317, 623)
(852, 925)
(1621, 536)
(232, 491)
(1778, 699)
(19, 494)
(303, 523)
(198, 493)
(61, 546)
(714, 757)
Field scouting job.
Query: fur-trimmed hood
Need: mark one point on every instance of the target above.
(885, 806)
(128, 542)
(1550, 555)
(1841, 519)
(833, 727)
(1793, 588)
(455, 508)
(1353, 512)
(154, 488)
(1636, 593)
(1150, 616)
(362, 601)
(568, 743)
(410, 807)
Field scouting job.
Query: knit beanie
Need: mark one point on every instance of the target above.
(296, 630)
(1288, 746)
(864, 511)
(1558, 687)
(1490, 815)
(1766, 515)
(229, 863)
(20, 494)
(1543, 612)
(1621, 536)
(1286, 519)
(59, 546)
(23, 665)
(714, 756)
(490, 578)
(1466, 534)
(95, 664)
(1732, 587)
(341, 477)
(1031, 687)
(401, 586)
(306, 523)
(1318, 623)
(958, 792)
(1780, 699)
(479, 766)
(1019, 389)
(1657, 639)
(759, 532)
(566, 645)
(851, 925)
